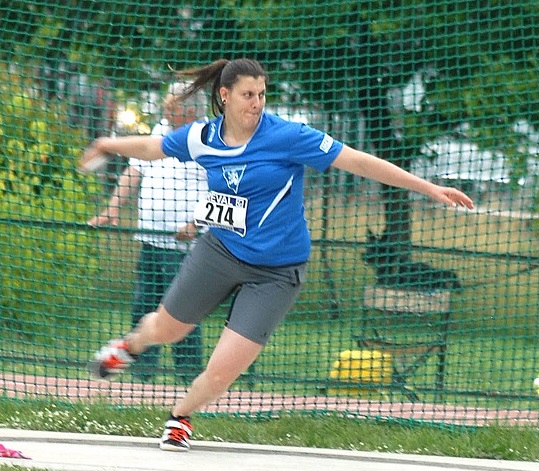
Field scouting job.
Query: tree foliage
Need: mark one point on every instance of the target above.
(481, 55)
(46, 258)
(478, 59)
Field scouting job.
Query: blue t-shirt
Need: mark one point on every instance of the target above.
(265, 176)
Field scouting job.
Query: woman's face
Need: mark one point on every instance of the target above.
(245, 101)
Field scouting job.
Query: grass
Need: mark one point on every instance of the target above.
(330, 431)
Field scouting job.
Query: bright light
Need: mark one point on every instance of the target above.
(127, 117)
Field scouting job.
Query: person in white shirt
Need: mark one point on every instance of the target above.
(167, 192)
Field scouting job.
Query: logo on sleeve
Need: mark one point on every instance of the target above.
(326, 144)
(233, 175)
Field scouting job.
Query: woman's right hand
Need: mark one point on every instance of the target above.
(93, 158)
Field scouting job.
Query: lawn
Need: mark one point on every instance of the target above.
(329, 431)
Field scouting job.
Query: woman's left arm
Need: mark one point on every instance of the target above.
(368, 166)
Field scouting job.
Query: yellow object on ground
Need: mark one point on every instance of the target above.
(360, 366)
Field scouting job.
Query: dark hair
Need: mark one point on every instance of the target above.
(221, 73)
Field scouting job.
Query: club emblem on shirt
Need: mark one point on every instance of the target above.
(233, 175)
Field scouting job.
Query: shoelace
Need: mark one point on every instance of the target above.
(178, 435)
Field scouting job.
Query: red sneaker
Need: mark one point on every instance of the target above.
(177, 434)
(112, 359)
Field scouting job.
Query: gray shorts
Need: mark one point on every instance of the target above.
(210, 274)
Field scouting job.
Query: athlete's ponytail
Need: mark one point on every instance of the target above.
(221, 73)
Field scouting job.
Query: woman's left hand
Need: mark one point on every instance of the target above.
(452, 197)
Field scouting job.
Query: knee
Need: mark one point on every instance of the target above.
(156, 330)
(218, 380)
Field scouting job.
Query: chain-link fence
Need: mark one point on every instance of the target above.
(410, 311)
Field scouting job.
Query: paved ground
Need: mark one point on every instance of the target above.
(83, 452)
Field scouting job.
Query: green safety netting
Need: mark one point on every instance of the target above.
(410, 311)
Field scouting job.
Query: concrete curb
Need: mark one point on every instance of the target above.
(392, 460)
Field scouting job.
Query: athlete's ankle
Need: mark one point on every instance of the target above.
(178, 416)
(133, 347)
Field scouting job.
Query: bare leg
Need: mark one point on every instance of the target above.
(231, 357)
(157, 328)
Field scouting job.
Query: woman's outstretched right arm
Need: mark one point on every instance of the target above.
(139, 147)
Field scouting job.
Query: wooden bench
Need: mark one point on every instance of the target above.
(408, 356)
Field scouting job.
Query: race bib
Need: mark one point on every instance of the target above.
(222, 211)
